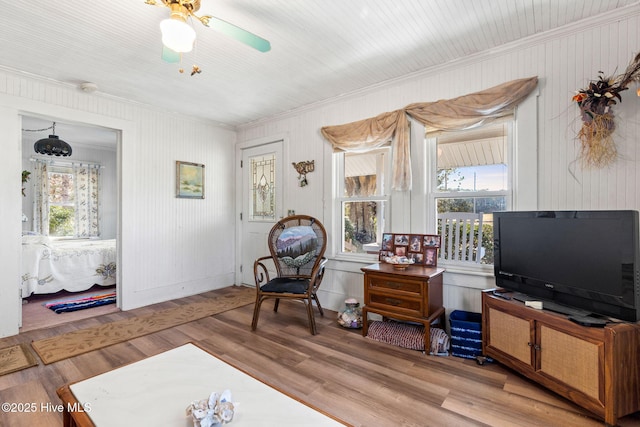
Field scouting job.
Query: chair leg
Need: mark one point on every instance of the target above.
(256, 314)
(315, 298)
(310, 315)
(307, 302)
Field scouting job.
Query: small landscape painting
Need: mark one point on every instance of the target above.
(189, 180)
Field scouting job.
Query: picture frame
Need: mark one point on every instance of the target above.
(189, 180)
(431, 257)
(422, 249)
(384, 254)
(431, 241)
(387, 241)
(415, 243)
(417, 257)
(401, 239)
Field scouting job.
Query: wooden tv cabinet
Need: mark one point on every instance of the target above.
(596, 368)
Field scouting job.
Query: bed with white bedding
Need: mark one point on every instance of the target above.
(50, 265)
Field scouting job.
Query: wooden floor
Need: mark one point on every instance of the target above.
(363, 382)
(36, 316)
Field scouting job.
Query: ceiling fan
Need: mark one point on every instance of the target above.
(178, 36)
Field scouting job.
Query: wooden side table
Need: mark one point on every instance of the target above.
(413, 294)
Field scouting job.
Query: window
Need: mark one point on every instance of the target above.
(62, 202)
(66, 199)
(263, 187)
(490, 168)
(363, 200)
(472, 175)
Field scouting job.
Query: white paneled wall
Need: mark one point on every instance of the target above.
(169, 247)
(564, 61)
(174, 247)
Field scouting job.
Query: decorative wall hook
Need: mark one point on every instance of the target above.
(303, 168)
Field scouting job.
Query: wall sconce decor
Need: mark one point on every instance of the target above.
(303, 168)
(596, 103)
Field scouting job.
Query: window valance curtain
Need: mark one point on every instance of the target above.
(464, 112)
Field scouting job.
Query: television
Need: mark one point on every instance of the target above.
(586, 260)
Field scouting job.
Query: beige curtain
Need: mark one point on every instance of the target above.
(460, 113)
(382, 130)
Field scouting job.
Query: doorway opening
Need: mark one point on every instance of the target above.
(73, 265)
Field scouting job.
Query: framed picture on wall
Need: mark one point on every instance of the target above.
(189, 180)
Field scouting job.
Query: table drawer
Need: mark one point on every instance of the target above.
(385, 301)
(386, 284)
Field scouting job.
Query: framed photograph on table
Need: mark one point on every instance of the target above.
(431, 257)
(189, 180)
(415, 243)
(431, 241)
(387, 241)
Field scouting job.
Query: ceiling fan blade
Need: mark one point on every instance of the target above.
(170, 55)
(239, 34)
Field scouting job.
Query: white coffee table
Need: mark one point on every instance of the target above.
(156, 391)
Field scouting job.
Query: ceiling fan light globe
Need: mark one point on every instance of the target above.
(177, 35)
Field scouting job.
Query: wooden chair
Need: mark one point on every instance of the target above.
(460, 236)
(297, 244)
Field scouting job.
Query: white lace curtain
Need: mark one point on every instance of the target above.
(87, 196)
(41, 198)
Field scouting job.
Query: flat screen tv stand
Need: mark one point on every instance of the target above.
(596, 368)
(552, 306)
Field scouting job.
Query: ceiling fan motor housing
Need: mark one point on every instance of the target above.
(190, 5)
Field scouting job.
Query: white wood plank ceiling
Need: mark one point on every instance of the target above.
(320, 49)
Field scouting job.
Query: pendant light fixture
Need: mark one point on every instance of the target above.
(52, 146)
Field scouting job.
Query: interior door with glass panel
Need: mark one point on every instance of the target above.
(261, 202)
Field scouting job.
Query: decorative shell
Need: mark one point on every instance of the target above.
(399, 260)
(212, 412)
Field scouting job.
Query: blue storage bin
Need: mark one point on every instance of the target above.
(466, 320)
(466, 334)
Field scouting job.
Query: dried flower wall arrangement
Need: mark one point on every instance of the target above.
(598, 122)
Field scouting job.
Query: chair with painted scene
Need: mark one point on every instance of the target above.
(296, 245)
